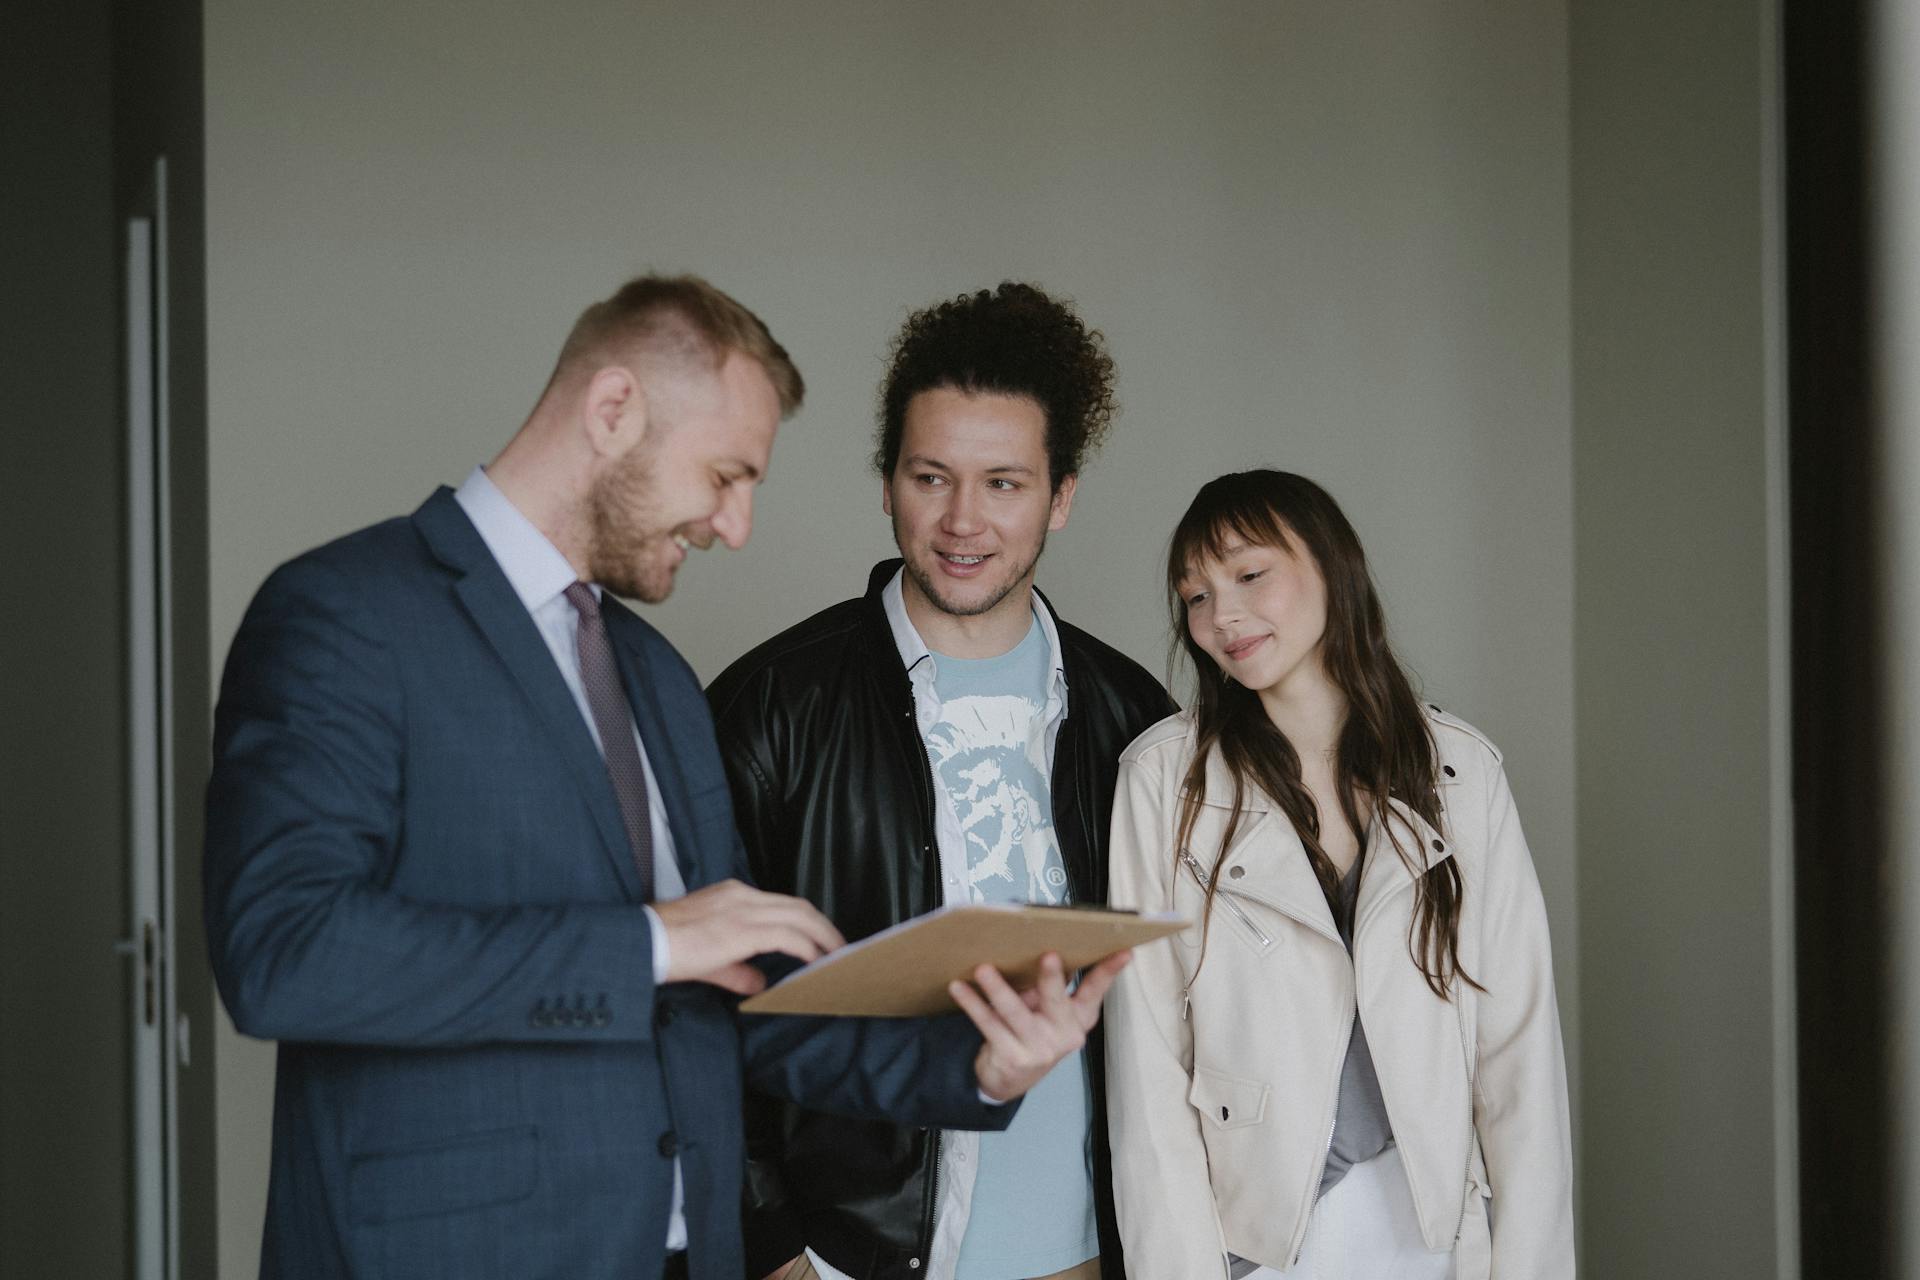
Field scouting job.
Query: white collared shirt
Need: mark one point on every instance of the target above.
(959, 1149)
(540, 575)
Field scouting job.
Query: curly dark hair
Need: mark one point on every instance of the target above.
(1015, 340)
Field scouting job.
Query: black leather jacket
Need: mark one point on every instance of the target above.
(834, 798)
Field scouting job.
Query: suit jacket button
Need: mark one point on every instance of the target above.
(663, 1015)
(669, 1145)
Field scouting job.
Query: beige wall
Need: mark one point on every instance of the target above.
(1322, 236)
(1895, 253)
(1685, 885)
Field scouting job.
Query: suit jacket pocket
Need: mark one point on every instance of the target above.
(470, 1171)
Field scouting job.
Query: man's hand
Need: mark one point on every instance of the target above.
(1028, 1032)
(713, 932)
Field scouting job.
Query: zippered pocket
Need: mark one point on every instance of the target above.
(1260, 939)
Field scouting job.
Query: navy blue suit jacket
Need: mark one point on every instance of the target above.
(418, 882)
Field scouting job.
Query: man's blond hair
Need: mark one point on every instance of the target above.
(676, 319)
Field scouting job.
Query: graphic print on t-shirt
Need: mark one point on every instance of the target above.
(982, 753)
(988, 749)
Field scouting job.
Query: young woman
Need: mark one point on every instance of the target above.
(1350, 1066)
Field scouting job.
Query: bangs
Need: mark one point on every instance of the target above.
(1218, 519)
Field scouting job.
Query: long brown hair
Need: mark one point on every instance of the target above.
(1385, 748)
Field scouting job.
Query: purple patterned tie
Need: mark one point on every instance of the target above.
(614, 719)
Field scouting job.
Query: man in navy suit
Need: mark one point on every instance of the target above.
(471, 857)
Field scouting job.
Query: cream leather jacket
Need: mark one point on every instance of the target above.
(1222, 1078)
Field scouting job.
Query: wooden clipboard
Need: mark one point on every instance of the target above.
(904, 971)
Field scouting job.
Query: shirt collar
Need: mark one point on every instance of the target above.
(534, 566)
(905, 637)
(913, 649)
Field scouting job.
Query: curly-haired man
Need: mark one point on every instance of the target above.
(945, 738)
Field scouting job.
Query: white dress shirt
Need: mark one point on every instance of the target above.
(540, 576)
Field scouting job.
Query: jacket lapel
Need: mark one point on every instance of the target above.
(490, 601)
(1277, 872)
(1266, 850)
(1386, 872)
(1286, 882)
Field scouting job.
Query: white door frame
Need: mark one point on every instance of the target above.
(157, 1029)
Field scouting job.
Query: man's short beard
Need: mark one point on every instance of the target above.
(931, 592)
(627, 586)
(619, 511)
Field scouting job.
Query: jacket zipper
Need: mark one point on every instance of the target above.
(1193, 866)
(933, 1201)
(1226, 896)
(1459, 1225)
(1466, 1054)
(1326, 1152)
(931, 827)
(1473, 1138)
(1467, 1061)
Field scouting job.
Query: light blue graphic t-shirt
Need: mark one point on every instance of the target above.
(1033, 1191)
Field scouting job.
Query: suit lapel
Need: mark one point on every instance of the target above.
(656, 736)
(490, 601)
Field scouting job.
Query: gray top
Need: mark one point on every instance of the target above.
(1360, 1128)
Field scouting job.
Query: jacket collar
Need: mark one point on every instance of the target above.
(497, 611)
(1220, 792)
(1280, 875)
